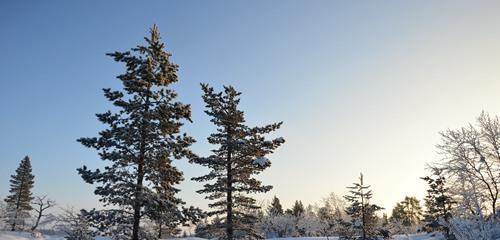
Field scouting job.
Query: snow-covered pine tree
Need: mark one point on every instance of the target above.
(408, 211)
(275, 208)
(143, 135)
(162, 216)
(360, 210)
(297, 208)
(20, 196)
(114, 223)
(297, 211)
(241, 153)
(438, 202)
(201, 229)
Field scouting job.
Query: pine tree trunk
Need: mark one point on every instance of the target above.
(137, 204)
(363, 219)
(140, 177)
(18, 203)
(159, 230)
(15, 220)
(229, 197)
(138, 197)
(229, 218)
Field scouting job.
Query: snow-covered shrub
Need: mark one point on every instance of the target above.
(398, 227)
(2, 216)
(279, 226)
(331, 215)
(466, 229)
(308, 224)
(346, 230)
(75, 225)
(470, 222)
(36, 235)
(210, 229)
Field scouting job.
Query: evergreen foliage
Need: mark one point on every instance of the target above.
(142, 137)
(408, 211)
(297, 208)
(210, 229)
(240, 155)
(275, 209)
(20, 196)
(362, 213)
(438, 202)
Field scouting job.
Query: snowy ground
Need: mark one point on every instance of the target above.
(420, 237)
(7, 235)
(25, 236)
(398, 237)
(4, 235)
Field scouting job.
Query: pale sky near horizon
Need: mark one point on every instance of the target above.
(362, 86)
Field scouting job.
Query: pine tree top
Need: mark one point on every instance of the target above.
(275, 208)
(21, 184)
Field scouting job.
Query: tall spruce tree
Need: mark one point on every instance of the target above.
(143, 135)
(361, 211)
(275, 208)
(20, 196)
(240, 155)
(297, 208)
(438, 203)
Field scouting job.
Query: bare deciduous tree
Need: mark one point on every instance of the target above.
(41, 204)
(473, 153)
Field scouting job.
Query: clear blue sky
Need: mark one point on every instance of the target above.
(361, 85)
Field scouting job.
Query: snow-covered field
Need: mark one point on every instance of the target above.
(8, 235)
(398, 237)
(5, 235)
(420, 237)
